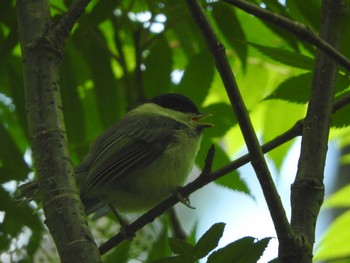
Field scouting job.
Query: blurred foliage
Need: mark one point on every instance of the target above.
(122, 52)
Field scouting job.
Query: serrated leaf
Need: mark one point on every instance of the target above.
(256, 251)
(232, 252)
(197, 78)
(295, 89)
(209, 240)
(180, 247)
(233, 181)
(285, 57)
(244, 250)
(230, 27)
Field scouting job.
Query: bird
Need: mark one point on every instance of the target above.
(141, 160)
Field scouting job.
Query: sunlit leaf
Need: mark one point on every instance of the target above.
(231, 29)
(341, 198)
(197, 78)
(286, 57)
(333, 243)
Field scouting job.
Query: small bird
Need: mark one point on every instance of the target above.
(141, 160)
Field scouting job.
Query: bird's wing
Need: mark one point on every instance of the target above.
(127, 146)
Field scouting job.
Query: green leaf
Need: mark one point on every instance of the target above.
(197, 78)
(256, 251)
(307, 12)
(333, 245)
(13, 166)
(285, 57)
(232, 180)
(181, 247)
(209, 240)
(157, 78)
(340, 118)
(277, 125)
(244, 250)
(183, 31)
(232, 252)
(121, 252)
(13, 70)
(108, 95)
(14, 215)
(73, 75)
(295, 89)
(276, 7)
(223, 119)
(160, 248)
(230, 27)
(101, 11)
(340, 198)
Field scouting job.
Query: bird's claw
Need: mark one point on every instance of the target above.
(184, 200)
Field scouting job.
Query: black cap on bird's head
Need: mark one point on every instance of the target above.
(178, 102)
(175, 101)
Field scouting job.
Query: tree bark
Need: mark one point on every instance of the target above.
(41, 55)
(308, 188)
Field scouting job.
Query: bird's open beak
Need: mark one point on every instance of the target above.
(197, 118)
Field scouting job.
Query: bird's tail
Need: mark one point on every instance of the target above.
(27, 192)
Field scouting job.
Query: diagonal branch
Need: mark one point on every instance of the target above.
(284, 232)
(301, 31)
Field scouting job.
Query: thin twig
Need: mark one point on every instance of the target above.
(301, 31)
(178, 232)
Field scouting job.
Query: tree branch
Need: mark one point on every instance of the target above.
(308, 189)
(273, 200)
(61, 203)
(67, 22)
(301, 31)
